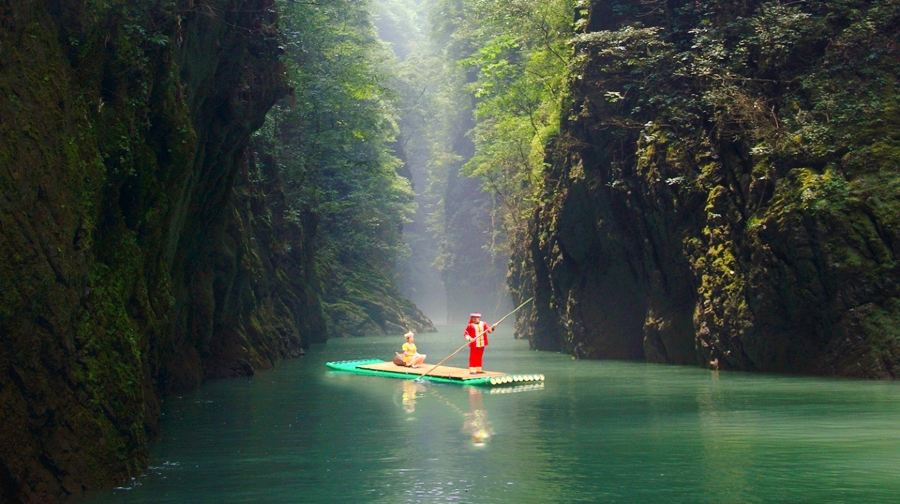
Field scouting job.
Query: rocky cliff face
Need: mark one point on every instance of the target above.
(143, 251)
(263, 302)
(725, 189)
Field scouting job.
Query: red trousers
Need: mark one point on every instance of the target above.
(475, 356)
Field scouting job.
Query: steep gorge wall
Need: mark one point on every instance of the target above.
(143, 249)
(725, 188)
(262, 303)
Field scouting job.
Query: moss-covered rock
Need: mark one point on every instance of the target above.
(361, 301)
(725, 189)
(132, 266)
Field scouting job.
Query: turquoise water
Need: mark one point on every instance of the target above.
(595, 432)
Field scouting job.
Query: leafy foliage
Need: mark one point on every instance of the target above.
(520, 53)
(334, 143)
(522, 62)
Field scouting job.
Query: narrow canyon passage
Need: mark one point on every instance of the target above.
(695, 203)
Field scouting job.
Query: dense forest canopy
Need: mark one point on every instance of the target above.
(334, 142)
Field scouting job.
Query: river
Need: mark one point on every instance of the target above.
(596, 431)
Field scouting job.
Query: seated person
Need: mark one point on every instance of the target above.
(410, 356)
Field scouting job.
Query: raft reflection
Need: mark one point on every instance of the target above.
(528, 387)
(476, 426)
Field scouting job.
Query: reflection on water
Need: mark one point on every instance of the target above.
(514, 389)
(593, 432)
(411, 389)
(476, 423)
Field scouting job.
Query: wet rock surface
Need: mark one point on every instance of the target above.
(144, 249)
(691, 214)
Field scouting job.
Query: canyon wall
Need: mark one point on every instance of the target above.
(724, 189)
(144, 248)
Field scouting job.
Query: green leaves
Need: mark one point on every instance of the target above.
(521, 53)
(334, 140)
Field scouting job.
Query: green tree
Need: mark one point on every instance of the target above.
(519, 54)
(334, 142)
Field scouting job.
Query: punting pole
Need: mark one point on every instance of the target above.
(464, 345)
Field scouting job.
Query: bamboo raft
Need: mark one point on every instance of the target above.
(440, 374)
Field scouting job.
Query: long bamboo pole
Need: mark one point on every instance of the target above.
(464, 345)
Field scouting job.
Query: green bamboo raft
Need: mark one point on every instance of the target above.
(441, 374)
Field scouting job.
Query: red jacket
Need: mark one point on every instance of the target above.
(473, 331)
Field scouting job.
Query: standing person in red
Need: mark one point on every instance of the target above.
(477, 336)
